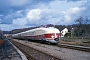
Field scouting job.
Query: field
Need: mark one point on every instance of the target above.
(76, 41)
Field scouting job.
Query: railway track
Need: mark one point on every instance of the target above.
(74, 47)
(81, 48)
(33, 54)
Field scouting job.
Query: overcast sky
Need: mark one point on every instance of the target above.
(16, 14)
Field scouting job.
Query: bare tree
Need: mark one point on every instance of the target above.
(80, 20)
(83, 26)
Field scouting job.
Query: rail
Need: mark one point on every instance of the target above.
(33, 54)
(81, 48)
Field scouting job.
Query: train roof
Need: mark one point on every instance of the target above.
(50, 29)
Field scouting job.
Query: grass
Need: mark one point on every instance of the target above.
(76, 41)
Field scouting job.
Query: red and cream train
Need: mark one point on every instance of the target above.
(51, 34)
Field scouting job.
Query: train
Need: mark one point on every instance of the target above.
(50, 35)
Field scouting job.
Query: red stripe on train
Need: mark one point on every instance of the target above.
(51, 35)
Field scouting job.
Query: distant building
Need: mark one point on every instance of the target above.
(7, 35)
(63, 32)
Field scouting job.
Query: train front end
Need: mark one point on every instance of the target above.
(52, 35)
